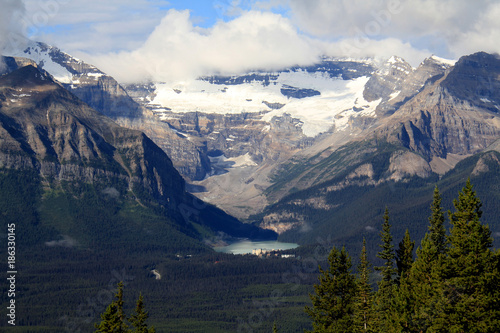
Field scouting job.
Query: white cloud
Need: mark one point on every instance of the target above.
(93, 25)
(361, 47)
(454, 27)
(11, 29)
(177, 49)
(482, 36)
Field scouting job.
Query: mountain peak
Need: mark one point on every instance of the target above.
(439, 60)
(475, 78)
(395, 59)
(26, 77)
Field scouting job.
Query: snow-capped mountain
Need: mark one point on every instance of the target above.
(90, 84)
(232, 135)
(320, 97)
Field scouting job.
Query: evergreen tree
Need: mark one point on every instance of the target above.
(113, 319)
(275, 328)
(437, 231)
(425, 285)
(402, 302)
(138, 319)
(426, 274)
(384, 295)
(387, 253)
(471, 269)
(364, 316)
(334, 298)
(404, 258)
(402, 307)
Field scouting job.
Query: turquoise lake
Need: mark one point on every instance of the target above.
(245, 247)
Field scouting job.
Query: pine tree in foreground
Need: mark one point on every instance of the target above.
(403, 300)
(335, 295)
(404, 255)
(138, 319)
(113, 319)
(426, 274)
(437, 231)
(471, 285)
(385, 293)
(364, 300)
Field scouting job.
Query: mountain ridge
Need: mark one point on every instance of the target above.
(198, 138)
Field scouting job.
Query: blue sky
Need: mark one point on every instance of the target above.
(157, 39)
(204, 12)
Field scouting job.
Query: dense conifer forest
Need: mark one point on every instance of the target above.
(451, 285)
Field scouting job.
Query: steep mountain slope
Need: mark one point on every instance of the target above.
(74, 152)
(98, 90)
(451, 115)
(398, 160)
(104, 94)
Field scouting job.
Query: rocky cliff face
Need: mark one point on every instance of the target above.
(451, 115)
(387, 80)
(9, 64)
(104, 94)
(46, 128)
(429, 70)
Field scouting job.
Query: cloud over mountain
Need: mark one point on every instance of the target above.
(11, 27)
(447, 27)
(136, 40)
(177, 49)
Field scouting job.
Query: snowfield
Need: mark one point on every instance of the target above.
(339, 99)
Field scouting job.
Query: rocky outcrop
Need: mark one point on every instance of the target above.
(444, 118)
(387, 80)
(485, 163)
(299, 93)
(407, 164)
(475, 79)
(199, 136)
(9, 64)
(430, 70)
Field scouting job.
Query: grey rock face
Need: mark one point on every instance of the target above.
(232, 135)
(447, 116)
(430, 70)
(42, 126)
(388, 79)
(475, 79)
